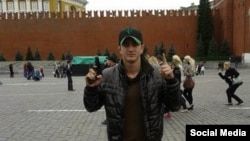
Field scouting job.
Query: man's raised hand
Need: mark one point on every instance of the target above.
(166, 70)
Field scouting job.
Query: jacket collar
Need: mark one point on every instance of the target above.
(146, 68)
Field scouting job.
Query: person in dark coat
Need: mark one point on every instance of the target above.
(25, 70)
(231, 73)
(11, 70)
(30, 69)
(134, 93)
(69, 75)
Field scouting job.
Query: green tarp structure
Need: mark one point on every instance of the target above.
(77, 60)
(82, 64)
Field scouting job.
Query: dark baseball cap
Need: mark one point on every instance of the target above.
(132, 33)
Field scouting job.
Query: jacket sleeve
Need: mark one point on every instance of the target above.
(92, 99)
(221, 75)
(172, 95)
(229, 74)
(225, 77)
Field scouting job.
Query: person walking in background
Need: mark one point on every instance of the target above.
(30, 69)
(64, 66)
(198, 69)
(69, 76)
(41, 71)
(230, 73)
(220, 66)
(56, 69)
(188, 84)
(133, 93)
(202, 69)
(25, 70)
(60, 69)
(177, 69)
(11, 70)
(37, 75)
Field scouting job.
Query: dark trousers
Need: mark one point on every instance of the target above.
(11, 74)
(231, 93)
(70, 82)
(188, 95)
(183, 100)
(183, 103)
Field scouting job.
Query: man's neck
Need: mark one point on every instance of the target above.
(132, 69)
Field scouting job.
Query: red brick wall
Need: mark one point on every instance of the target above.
(246, 47)
(84, 36)
(239, 26)
(232, 24)
(87, 34)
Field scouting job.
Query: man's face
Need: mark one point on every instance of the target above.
(130, 50)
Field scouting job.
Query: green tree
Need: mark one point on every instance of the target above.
(156, 51)
(171, 51)
(99, 52)
(2, 58)
(224, 49)
(205, 24)
(29, 54)
(162, 48)
(18, 56)
(51, 56)
(63, 57)
(68, 56)
(212, 50)
(200, 48)
(37, 55)
(106, 52)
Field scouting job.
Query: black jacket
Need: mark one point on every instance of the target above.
(177, 73)
(229, 75)
(69, 70)
(156, 93)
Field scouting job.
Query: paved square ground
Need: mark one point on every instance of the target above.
(46, 111)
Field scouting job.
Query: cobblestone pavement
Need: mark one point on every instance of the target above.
(45, 111)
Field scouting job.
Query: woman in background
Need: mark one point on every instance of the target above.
(177, 69)
(189, 70)
(230, 73)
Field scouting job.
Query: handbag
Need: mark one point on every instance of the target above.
(188, 83)
(237, 81)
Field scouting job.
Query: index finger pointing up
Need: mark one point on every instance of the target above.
(164, 60)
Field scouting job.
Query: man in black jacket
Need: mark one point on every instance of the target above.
(134, 93)
(11, 70)
(69, 75)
